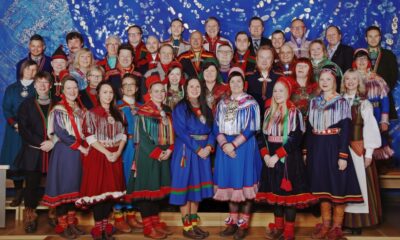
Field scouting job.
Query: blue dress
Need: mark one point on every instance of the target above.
(236, 121)
(12, 140)
(191, 174)
(65, 164)
(129, 150)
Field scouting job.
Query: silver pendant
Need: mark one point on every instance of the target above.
(202, 119)
(110, 120)
(24, 93)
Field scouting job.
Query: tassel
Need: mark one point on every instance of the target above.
(286, 185)
(183, 159)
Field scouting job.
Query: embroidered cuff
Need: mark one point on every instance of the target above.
(91, 139)
(75, 145)
(155, 154)
(221, 139)
(239, 140)
(343, 156)
(264, 151)
(171, 147)
(212, 149)
(281, 152)
(11, 121)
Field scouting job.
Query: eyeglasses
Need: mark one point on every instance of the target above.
(227, 52)
(134, 34)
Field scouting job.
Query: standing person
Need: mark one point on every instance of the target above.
(298, 39)
(338, 52)
(174, 82)
(14, 95)
(319, 59)
(243, 56)
(283, 182)
(88, 96)
(83, 62)
(135, 34)
(224, 57)
(102, 170)
(377, 92)
(36, 47)
(150, 177)
(212, 38)
(285, 65)
(65, 164)
(262, 80)
(33, 158)
(256, 29)
(365, 136)
(383, 62)
(215, 89)
(278, 40)
(129, 107)
(191, 59)
(330, 167)
(59, 63)
(304, 87)
(237, 160)
(152, 57)
(75, 43)
(190, 164)
(166, 53)
(176, 41)
(110, 61)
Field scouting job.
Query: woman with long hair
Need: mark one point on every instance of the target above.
(330, 167)
(237, 160)
(102, 171)
(65, 164)
(215, 89)
(283, 182)
(190, 165)
(174, 81)
(365, 137)
(150, 177)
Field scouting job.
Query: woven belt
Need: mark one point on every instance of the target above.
(199, 137)
(130, 136)
(329, 131)
(375, 104)
(275, 139)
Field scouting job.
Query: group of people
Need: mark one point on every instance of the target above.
(289, 123)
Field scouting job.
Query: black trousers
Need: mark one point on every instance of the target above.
(32, 192)
(102, 210)
(148, 208)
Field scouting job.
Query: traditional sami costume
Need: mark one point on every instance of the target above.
(327, 141)
(14, 95)
(88, 97)
(247, 61)
(191, 61)
(191, 175)
(101, 179)
(286, 183)
(150, 179)
(362, 144)
(236, 121)
(65, 165)
(377, 93)
(301, 96)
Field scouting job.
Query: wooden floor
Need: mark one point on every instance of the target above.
(390, 229)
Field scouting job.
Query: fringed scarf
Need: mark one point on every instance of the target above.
(98, 124)
(152, 121)
(324, 114)
(235, 115)
(376, 87)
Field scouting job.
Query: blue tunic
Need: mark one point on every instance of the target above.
(12, 140)
(236, 179)
(129, 150)
(191, 174)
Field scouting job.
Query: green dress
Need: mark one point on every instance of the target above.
(150, 178)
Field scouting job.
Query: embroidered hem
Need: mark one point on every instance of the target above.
(191, 188)
(148, 195)
(86, 201)
(302, 200)
(60, 199)
(339, 199)
(235, 195)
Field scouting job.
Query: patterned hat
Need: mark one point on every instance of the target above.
(152, 79)
(59, 54)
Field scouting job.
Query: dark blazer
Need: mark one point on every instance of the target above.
(33, 130)
(387, 68)
(343, 57)
(264, 41)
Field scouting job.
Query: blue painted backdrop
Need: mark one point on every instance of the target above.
(19, 19)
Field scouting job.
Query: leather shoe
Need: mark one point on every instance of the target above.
(229, 231)
(200, 231)
(153, 234)
(191, 234)
(241, 233)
